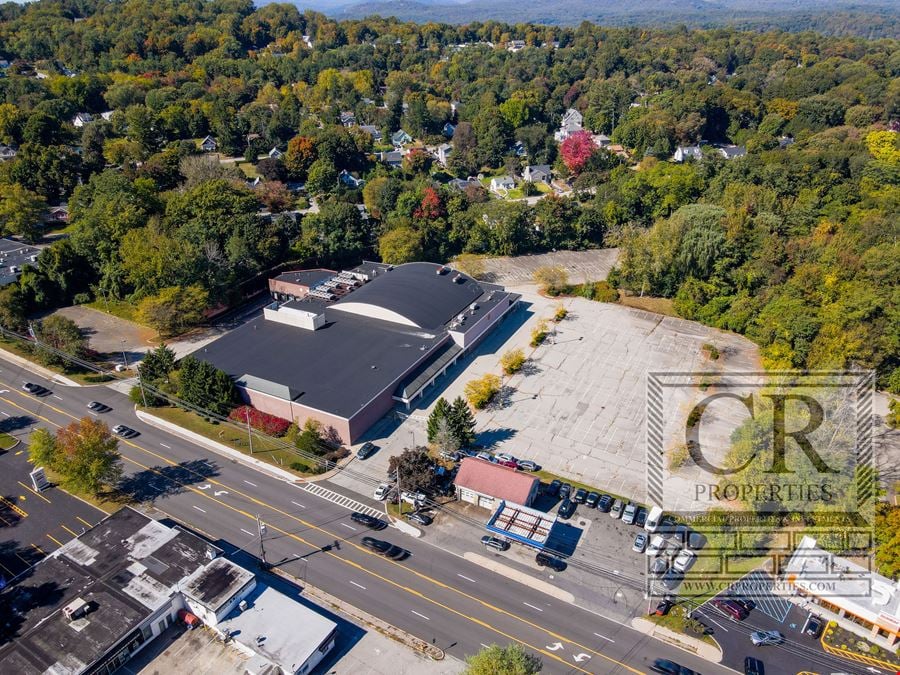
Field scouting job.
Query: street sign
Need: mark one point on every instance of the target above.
(39, 479)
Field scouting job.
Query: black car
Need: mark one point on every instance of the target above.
(672, 579)
(495, 543)
(396, 553)
(753, 666)
(696, 541)
(663, 607)
(553, 488)
(566, 509)
(367, 520)
(682, 535)
(640, 517)
(547, 560)
(565, 490)
(667, 667)
(813, 626)
(96, 406)
(580, 496)
(419, 518)
(591, 500)
(378, 546)
(746, 603)
(123, 431)
(605, 503)
(366, 450)
(35, 389)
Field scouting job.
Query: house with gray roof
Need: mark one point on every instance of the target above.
(537, 173)
(373, 131)
(400, 138)
(685, 152)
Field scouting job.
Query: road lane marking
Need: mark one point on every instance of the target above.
(5, 413)
(57, 397)
(198, 508)
(422, 615)
(532, 606)
(463, 576)
(12, 506)
(387, 580)
(168, 447)
(84, 521)
(603, 637)
(296, 504)
(249, 483)
(247, 532)
(34, 492)
(72, 532)
(349, 527)
(358, 585)
(58, 542)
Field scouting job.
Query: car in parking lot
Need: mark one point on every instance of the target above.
(547, 560)
(659, 566)
(696, 541)
(746, 603)
(672, 579)
(761, 638)
(553, 487)
(367, 520)
(486, 456)
(684, 560)
(682, 535)
(616, 510)
(565, 490)
(667, 667)
(511, 463)
(640, 543)
(640, 517)
(35, 389)
(420, 518)
(504, 457)
(628, 513)
(414, 498)
(96, 406)
(566, 509)
(653, 519)
(495, 543)
(527, 465)
(123, 431)
(663, 607)
(591, 500)
(366, 450)
(382, 491)
(657, 545)
(753, 666)
(605, 503)
(579, 496)
(729, 607)
(813, 626)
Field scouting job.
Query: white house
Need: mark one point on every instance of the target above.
(400, 137)
(684, 152)
(601, 140)
(348, 119)
(106, 115)
(571, 123)
(502, 184)
(443, 152)
(275, 153)
(515, 45)
(208, 144)
(537, 173)
(81, 119)
(731, 151)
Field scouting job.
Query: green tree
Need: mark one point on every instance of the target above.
(55, 334)
(174, 309)
(21, 212)
(440, 411)
(323, 176)
(462, 421)
(509, 660)
(157, 364)
(84, 453)
(13, 308)
(203, 385)
(400, 245)
(515, 111)
(887, 539)
(335, 234)
(415, 470)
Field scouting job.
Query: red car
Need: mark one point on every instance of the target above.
(730, 607)
(511, 463)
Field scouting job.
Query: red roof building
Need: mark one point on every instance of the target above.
(486, 484)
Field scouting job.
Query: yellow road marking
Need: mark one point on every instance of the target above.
(420, 575)
(73, 533)
(12, 506)
(19, 452)
(34, 492)
(51, 537)
(39, 549)
(84, 521)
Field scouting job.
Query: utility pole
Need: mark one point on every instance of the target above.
(141, 384)
(124, 357)
(261, 529)
(249, 432)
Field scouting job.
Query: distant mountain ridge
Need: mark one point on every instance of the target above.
(867, 18)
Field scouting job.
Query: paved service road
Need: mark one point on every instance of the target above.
(433, 593)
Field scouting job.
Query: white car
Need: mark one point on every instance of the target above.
(382, 491)
(486, 456)
(684, 560)
(657, 545)
(505, 457)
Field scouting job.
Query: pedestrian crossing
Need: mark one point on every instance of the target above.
(341, 500)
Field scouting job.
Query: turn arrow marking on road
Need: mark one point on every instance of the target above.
(581, 657)
(555, 647)
(219, 493)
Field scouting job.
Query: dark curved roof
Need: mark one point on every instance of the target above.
(418, 293)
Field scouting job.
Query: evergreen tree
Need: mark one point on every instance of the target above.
(441, 411)
(462, 422)
(157, 364)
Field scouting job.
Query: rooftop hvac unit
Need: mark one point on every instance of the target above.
(75, 609)
(473, 307)
(243, 605)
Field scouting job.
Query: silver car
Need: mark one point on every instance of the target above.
(616, 510)
(640, 543)
(629, 513)
(766, 637)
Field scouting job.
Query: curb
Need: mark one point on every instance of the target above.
(37, 368)
(217, 447)
(683, 642)
(521, 577)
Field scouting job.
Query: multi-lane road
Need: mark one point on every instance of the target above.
(433, 594)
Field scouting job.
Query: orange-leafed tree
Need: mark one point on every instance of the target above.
(84, 454)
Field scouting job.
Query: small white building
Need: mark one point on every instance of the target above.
(502, 184)
(572, 122)
(537, 173)
(685, 152)
(81, 119)
(443, 152)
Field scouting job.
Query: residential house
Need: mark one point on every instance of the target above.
(448, 130)
(57, 214)
(785, 142)
(68, 72)
(4, 64)
(393, 159)
(7, 152)
(460, 184)
(208, 144)
(515, 45)
(618, 150)
(454, 107)
(81, 119)
(400, 138)
(373, 131)
(519, 149)
(106, 115)
(275, 153)
(443, 152)
(502, 184)
(350, 180)
(537, 173)
(348, 119)
(550, 45)
(572, 122)
(307, 41)
(731, 151)
(685, 152)
(601, 140)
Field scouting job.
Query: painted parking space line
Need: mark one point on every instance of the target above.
(84, 521)
(463, 576)
(72, 532)
(199, 509)
(54, 539)
(37, 494)
(603, 637)
(349, 527)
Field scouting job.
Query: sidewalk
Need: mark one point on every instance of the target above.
(35, 368)
(684, 642)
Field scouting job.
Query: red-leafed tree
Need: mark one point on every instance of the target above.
(431, 207)
(576, 150)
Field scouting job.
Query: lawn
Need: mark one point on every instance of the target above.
(543, 187)
(6, 441)
(108, 502)
(648, 304)
(678, 621)
(249, 169)
(120, 308)
(22, 348)
(269, 450)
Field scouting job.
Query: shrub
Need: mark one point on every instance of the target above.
(539, 334)
(600, 291)
(561, 313)
(98, 378)
(480, 392)
(81, 298)
(678, 456)
(512, 361)
(264, 422)
(711, 351)
(552, 280)
(694, 417)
